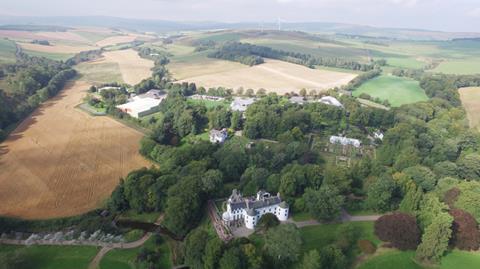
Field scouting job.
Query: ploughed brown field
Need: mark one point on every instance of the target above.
(471, 101)
(61, 161)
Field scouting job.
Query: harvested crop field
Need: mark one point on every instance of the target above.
(114, 40)
(274, 76)
(55, 48)
(62, 162)
(471, 101)
(133, 68)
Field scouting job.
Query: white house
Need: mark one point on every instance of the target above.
(345, 141)
(143, 104)
(378, 135)
(218, 136)
(241, 104)
(249, 210)
(330, 100)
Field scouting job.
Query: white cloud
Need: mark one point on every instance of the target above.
(407, 3)
(474, 12)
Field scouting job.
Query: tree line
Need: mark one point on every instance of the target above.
(250, 54)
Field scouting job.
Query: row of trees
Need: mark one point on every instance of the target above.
(253, 54)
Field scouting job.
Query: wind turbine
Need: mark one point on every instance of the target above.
(279, 24)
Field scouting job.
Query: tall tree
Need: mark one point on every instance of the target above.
(435, 239)
(324, 204)
(283, 244)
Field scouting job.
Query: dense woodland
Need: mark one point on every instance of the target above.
(26, 84)
(253, 54)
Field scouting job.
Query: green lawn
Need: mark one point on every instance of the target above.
(7, 51)
(392, 260)
(316, 237)
(125, 258)
(405, 260)
(398, 91)
(51, 257)
(301, 216)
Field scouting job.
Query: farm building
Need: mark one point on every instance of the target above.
(218, 136)
(143, 104)
(330, 100)
(241, 104)
(345, 141)
(206, 97)
(250, 209)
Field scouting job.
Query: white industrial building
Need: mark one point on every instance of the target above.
(345, 141)
(249, 210)
(241, 104)
(330, 100)
(143, 104)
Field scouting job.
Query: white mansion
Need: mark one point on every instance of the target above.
(249, 210)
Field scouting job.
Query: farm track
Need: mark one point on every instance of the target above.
(61, 161)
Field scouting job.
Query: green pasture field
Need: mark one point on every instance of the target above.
(98, 73)
(459, 67)
(410, 63)
(51, 257)
(7, 51)
(52, 56)
(398, 91)
(405, 259)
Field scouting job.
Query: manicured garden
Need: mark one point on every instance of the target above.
(398, 91)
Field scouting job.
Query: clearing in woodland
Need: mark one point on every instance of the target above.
(471, 99)
(274, 76)
(62, 162)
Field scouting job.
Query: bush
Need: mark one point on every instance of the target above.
(366, 246)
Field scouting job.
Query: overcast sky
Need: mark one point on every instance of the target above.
(449, 15)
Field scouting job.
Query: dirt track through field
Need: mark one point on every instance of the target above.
(274, 76)
(61, 161)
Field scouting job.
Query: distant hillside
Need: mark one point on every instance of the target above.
(169, 26)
